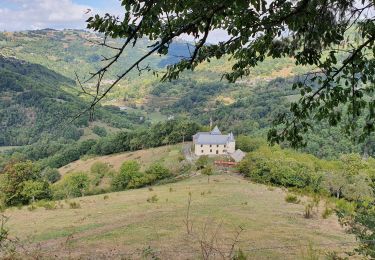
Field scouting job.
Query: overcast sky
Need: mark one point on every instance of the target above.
(16, 15)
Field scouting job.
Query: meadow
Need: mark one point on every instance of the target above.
(157, 221)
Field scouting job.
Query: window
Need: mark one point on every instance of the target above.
(210, 150)
(217, 146)
(202, 151)
(210, 145)
(225, 146)
(217, 151)
(201, 145)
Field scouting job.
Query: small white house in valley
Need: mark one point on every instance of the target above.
(213, 143)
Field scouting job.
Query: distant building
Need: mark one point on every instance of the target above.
(238, 155)
(213, 143)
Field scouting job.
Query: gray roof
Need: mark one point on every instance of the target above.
(216, 131)
(238, 155)
(212, 139)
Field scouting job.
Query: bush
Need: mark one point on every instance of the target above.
(51, 175)
(99, 170)
(249, 144)
(159, 171)
(129, 172)
(36, 190)
(72, 185)
(48, 205)
(201, 162)
(74, 205)
(327, 212)
(100, 131)
(290, 198)
(153, 199)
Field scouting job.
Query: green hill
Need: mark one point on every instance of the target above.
(36, 102)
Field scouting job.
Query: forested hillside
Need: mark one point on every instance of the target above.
(248, 107)
(37, 102)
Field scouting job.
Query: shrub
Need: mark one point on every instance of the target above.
(290, 198)
(51, 175)
(159, 171)
(72, 185)
(128, 172)
(99, 170)
(327, 212)
(249, 144)
(36, 190)
(48, 205)
(153, 199)
(201, 162)
(100, 131)
(74, 205)
(308, 210)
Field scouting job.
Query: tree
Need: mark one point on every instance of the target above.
(128, 171)
(316, 34)
(36, 190)
(13, 180)
(208, 171)
(159, 171)
(51, 175)
(72, 185)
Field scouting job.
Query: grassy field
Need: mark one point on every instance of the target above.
(131, 224)
(168, 155)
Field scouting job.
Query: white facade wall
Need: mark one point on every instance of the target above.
(231, 147)
(207, 149)
(214, 149)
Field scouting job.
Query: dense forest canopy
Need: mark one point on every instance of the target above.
(313, 33)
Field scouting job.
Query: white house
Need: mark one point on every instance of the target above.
(213, 143)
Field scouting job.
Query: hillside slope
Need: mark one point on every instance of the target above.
(35, 101)
(131, 224)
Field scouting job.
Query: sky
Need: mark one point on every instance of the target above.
(17, 15)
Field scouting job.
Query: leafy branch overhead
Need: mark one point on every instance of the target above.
(334, 38)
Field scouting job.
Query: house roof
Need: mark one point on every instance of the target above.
(216, 131)
(212, 139)
(238, 155)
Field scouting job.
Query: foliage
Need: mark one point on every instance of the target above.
(129, 171)
(159, 171)
(130, 176)
(360, 221)
(311, 33)
(14, 178)
(36, 190)
(51, 175)
(72, 185)
(352, 180)
(99, 170)
(282, 167)
(290, 198)
(41, 106)
(100, 131)
(248, 144)
(202, 162)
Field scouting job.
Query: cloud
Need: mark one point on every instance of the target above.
(37, 14)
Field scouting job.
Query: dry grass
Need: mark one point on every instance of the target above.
(168, 155)
(126, 223)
